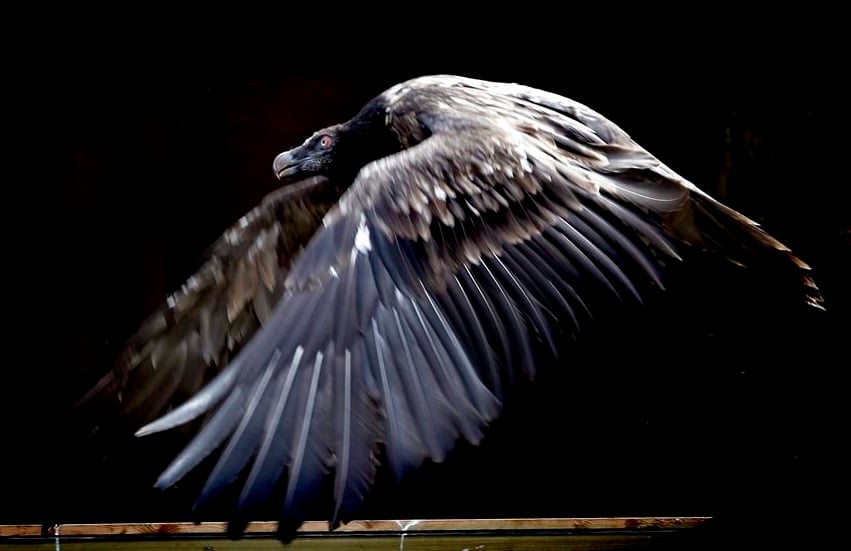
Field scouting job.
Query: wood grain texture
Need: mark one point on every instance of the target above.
(626, 524)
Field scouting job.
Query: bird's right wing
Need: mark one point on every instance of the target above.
(200, 327)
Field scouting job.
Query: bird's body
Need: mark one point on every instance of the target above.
(454, 236)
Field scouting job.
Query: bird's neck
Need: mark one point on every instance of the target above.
(368, 138)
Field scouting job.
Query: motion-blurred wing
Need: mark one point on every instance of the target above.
(197, 331)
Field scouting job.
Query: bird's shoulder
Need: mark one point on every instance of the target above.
(447, 102)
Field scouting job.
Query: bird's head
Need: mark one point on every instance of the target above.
(315, 157)
(340, 151)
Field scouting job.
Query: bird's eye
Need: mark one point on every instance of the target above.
(325, 142)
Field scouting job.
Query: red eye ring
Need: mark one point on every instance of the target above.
(325, 142)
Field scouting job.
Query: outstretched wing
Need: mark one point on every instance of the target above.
(185, 343)
(605, 157)
(514, 221)
(444, 271)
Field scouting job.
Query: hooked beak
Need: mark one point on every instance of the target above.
(285, 165)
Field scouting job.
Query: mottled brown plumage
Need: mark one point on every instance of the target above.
(201, 326)
(482, 225)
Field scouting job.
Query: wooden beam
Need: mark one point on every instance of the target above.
(365, 526)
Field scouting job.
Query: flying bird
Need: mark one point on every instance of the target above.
(453, 237)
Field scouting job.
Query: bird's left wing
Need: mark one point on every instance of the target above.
(444, 271)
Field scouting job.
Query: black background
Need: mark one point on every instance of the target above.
(134, 146)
